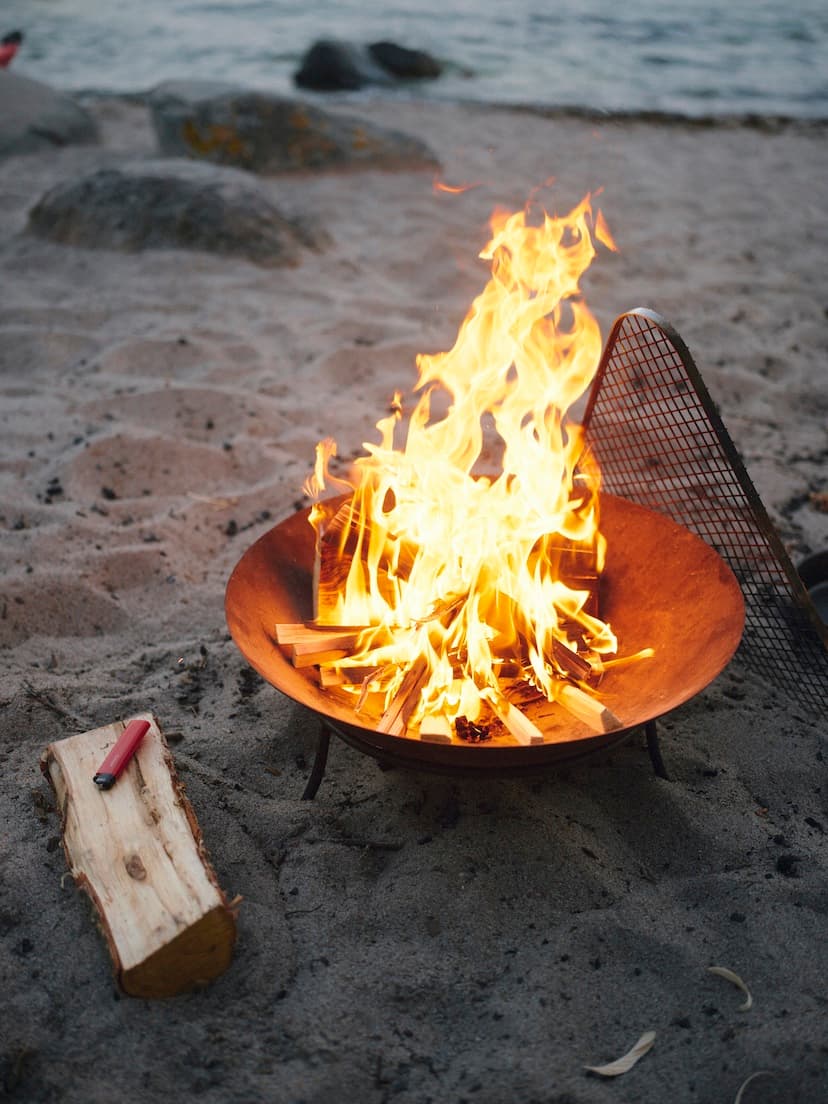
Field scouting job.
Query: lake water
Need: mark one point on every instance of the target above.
(697, 58)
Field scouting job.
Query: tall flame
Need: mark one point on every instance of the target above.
(460, 571)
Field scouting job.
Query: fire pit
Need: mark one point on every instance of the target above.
(437, 617)
(661, 587)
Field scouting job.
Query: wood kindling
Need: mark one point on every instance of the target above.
(311, 644)
(342, 547)
(404, 702)
(587, 709)
(516, 721)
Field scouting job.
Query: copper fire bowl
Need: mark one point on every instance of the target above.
(662, 587)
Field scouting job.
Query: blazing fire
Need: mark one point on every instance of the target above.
(448, 596)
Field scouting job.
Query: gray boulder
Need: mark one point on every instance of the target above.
(172, 205)
(273, 134)
(34, 117)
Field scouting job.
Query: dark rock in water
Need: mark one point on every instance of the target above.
(172, 205)
(34, 117)
(271, 134)
(332, 66)
(405, 63)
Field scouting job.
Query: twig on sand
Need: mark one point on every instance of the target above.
(43, 699)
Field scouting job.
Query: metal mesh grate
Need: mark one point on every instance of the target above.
(660, 442)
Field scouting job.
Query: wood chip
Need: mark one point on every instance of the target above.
(626, 1061)
(728, 975)
(747, 1081)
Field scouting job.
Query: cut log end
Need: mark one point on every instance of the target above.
(192, 959)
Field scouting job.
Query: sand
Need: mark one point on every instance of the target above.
(403, 938)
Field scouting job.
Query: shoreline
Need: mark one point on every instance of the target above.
(771, 123)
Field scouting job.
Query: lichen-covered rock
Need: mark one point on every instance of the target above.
(35, 117)
(168, 204)
(272, 134)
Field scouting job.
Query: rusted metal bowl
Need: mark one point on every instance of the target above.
(662, 587)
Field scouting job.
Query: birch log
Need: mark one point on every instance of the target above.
(137, 850)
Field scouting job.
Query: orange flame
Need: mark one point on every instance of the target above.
(453, 568)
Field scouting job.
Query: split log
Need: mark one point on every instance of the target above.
(574, 563)
(573, 664)
(587, 709)
(334, 556)
(435, 729)
(405, 701)
(315, 659)
(516, 722)
(344, 676)
(308, 632)
(137, 850)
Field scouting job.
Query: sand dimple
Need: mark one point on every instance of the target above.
(157, 356)
(127, 466)
(44, 605)
(28, 354)
(203, 415)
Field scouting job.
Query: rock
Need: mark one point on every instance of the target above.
(272, 134)
(331, 66)
(34, 117)
(172, 205)
(404, 63)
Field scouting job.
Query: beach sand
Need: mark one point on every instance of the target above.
(404, 937)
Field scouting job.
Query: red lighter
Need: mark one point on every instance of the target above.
(120, 754)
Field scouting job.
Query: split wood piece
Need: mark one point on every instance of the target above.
(137, 850)
(304, 633)
(573, 664)
(315, 659)
(574, 563)
(344, 676)
(436, 729)
(334, 554)
(395, 718)
(517, 723)
(310, 647)
(587, 709)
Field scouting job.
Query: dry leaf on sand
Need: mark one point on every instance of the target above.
(626, 1061)
(747, 1081)
(728, 975)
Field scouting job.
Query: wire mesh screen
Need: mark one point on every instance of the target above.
(660, 442)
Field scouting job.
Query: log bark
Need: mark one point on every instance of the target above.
(138, 852)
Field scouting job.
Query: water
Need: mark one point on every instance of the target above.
(700, 58)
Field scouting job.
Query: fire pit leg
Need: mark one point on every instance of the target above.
(651, 733)
(320, 761)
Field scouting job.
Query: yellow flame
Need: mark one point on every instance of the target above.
(457, 542)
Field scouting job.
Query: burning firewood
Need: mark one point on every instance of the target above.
(405, 701)
(466, 580)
